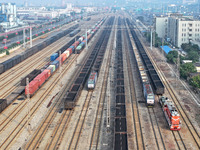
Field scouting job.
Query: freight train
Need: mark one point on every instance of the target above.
(4, 66)
(155, 81)
(40, 79)
(75, 90)
(74, 32)
(49, 69)
(171, 114)
(147, 90)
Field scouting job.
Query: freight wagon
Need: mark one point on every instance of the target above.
(157, 84)
(147, 89)
(40, 79)
(3, 104)
(92, 80)
(75, 90)
(74, 32)
(4, 66)
(171, 114)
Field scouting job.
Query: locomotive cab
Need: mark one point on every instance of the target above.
(150, 99)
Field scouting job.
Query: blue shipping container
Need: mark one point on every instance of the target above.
(56, 63)
(54, 56)
(72, 47)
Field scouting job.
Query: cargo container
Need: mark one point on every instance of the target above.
(54, 67)
(81, 39)
(56, 63)
(67, 52)
(33, 87)
(40, 78)
(54, 56)
(51, 69)
(72, 47)
(70, 50)
(76, 44)
(47, 73)
(64, 57)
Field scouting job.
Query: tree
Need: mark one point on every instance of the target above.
(189, 47)
(172, 56)
(7, 52)
(187, 68)
(193, 55)
(195, 81)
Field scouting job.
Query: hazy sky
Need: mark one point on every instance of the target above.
(59, 2)
(78, 2)
(32, 1)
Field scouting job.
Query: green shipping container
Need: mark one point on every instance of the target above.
(53, 66)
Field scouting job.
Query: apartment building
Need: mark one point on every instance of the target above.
(180, 29)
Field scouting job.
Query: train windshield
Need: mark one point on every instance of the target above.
(150, 96)
(90, 81)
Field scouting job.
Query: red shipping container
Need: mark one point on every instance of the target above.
(40, 78)
(45, 74)
(33, 86)
(64, 56)
(48, 72)
(58, 59)
(70, 50)
(76, 43)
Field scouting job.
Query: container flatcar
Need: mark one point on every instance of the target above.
(171, 114)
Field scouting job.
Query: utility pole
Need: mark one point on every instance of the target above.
(24, 37)
(162, 45)
(31, 44)
(108, 101)
(60, 61)
(151, 38)
(86, 40)
(28, 104)
(60, 69)
(177, 73)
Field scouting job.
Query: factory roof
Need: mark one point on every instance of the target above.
(166, 48)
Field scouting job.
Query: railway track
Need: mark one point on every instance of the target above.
(8, 73)
(154, 122)
(184, 117)
(43, 128)
(13, 113)
(156, 129)
(97, 123)
(22, 123)
(25, 66)
(58, 132)
(94, 141)
(79, 126)
(135, 108)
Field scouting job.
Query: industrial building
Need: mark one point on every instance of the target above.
(8, 16)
